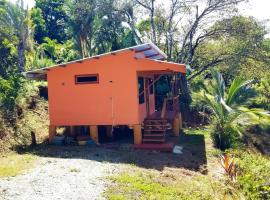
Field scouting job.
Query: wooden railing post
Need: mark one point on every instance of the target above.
(164, 107)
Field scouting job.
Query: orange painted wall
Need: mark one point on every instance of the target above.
(114, 100)
(95, 104)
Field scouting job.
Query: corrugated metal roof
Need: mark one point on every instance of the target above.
(147, 50)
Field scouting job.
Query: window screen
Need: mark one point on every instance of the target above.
(141, 90)
(86, 79)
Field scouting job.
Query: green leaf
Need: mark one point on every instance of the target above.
(236, 86)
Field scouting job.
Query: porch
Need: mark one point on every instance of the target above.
(166, 116)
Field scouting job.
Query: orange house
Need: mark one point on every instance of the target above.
(116, 88)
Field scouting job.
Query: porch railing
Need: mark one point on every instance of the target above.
(170, 104)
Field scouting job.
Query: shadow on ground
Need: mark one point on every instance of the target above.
(193, 157)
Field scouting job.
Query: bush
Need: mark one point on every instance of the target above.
(22, 111)
(253, 174)
(263, 98)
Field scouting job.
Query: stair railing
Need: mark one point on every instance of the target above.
(164, 108)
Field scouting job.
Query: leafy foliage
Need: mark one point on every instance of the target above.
(253, 174)
(263, 90)
(53, 16)
(230, 117)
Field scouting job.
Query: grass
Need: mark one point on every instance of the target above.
(157, 186)
(173, 182)
(182, 183)
(13, 164)
(74, 170)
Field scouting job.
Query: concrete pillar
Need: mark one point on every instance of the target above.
(94, 133)
(137, 129)
(52, 132)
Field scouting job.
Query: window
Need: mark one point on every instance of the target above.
(151, 88)
(141, 90)
(86, 79)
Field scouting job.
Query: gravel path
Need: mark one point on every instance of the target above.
(59, 178)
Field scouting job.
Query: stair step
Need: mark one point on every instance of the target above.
(153, 140)
(155, 121)
(155, 125)
(153, 135)
(154, 130)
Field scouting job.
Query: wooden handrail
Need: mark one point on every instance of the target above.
(164, 106)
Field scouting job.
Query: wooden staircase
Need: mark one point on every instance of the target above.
(154, 130)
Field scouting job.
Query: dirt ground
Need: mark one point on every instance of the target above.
(79, 172)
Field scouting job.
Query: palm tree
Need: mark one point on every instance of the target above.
(230, 114)
(17, 19)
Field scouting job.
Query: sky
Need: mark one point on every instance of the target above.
(259, 9)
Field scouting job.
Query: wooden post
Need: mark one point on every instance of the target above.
(180, 121)
(109, 132)
(137, 129)
(72, 131)
(52, 132)
(94, 133)
(176, 126)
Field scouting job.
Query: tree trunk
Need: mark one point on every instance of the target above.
(21, 55)
(185, 99)
(153, 22)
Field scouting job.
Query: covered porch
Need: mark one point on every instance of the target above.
(166, 116)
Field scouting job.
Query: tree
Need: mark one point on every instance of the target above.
(149, 5)
(40, 30)
(230, 114)
(55, 17)
(101, 26)
(82, 14)
(16, 19)
(239, 41)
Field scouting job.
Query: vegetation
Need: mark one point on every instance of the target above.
(227, 57)
(14, 164)
(230, 115)
(252, 178)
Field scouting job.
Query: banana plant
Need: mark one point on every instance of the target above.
(230, 115)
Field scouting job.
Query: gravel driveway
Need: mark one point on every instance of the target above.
(59, 178)
(75, 172)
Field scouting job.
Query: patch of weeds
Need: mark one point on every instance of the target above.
(214, 152)
(74, 170)
(13, 164)
(198, 131)
(153, 186)
(253, 173)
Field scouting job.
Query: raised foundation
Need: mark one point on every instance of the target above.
(137, 129)
(94, 133)
(52, 132)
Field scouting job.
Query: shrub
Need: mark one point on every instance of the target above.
(230, 115)
(253, 174)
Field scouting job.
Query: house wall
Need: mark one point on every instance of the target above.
(114, 100)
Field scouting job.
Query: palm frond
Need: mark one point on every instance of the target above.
(218, 83)
(213, 105)
(236, 86)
